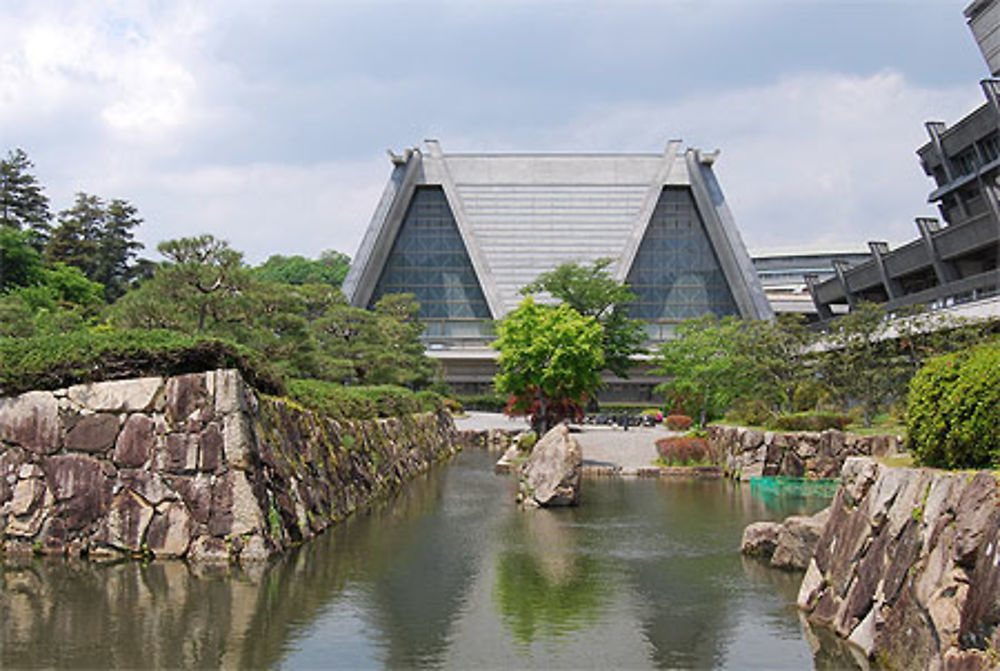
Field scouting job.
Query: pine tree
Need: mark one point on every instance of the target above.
(76, 239)
(23, 205)
(117, 248)
(97, 239)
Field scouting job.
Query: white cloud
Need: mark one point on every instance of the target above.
(812, 161)
(265, 208)
(148, 101)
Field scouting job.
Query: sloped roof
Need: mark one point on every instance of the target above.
(523, 214)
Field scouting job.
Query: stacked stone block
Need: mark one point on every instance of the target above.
(747, 453)
(193, 466)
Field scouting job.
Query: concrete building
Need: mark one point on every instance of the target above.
(465, 232)
(954, 259)
(983, 17)
(783, 275)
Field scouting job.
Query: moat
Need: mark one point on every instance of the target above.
(645, 574)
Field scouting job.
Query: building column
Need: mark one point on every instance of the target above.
(942, 269)
(879, 250)
(935, 129)
(839, 266)
(822, 309)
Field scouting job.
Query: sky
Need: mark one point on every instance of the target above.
(265, 122)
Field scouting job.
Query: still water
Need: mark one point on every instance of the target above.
(645, 574)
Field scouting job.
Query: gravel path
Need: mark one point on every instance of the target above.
(603, 446)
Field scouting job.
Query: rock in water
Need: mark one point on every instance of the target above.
(551, 475)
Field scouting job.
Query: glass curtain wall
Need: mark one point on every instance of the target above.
(676, 273)
(429, 259)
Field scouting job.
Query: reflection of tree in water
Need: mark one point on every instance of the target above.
(548, 588)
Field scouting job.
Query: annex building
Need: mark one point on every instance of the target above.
(954, 263)
(465, 232)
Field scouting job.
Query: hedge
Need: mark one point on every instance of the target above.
(56, 361)
(953, 409)
(340, 402)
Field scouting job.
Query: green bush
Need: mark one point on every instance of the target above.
(953, 410)
(340, 402)
(483, 402)
(810, 421)
(749, 411)
(54, 361)
(526, 442)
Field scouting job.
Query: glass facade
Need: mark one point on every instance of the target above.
(429, 260)
(676, 273)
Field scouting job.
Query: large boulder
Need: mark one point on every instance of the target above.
(551, 475)
(789, 544)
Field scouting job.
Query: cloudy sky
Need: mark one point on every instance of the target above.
(266, 122)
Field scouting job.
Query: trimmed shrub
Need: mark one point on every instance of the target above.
(683, 450)
(483, 402)
(55, 361)
(345, 403)
(953, 409)
(810, 421)
(678, 422)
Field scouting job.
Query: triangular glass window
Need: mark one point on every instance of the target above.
(676, 273)
(429, 259)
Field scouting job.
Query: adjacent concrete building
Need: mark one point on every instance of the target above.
(984, 21)
(785, 277)
(465, 232)
(954, 259)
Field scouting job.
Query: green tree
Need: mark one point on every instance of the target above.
(60, 299)
(862, 362)
(207, 277)
(23, 203)
(777, 355)
(75, 240)
(331, 268)
(20, 263)
(550, 361)
(593, 292)
(98, 239)
(117, 248)
(706, 362)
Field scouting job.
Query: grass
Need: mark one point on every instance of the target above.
(897, 461)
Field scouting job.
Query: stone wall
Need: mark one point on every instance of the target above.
(747, 453)
(492, 440)
(908, 567)
(194, 466)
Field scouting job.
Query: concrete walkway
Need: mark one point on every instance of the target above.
(605, 449)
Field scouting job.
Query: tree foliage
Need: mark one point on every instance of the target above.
(706, 362)
(98, 239)
(331, 268)
(593, 292)
(307, 330)
(550, 361)
(23, 203)
(953, 411)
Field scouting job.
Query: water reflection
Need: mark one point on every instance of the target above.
(545, 587)
(448, 575)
